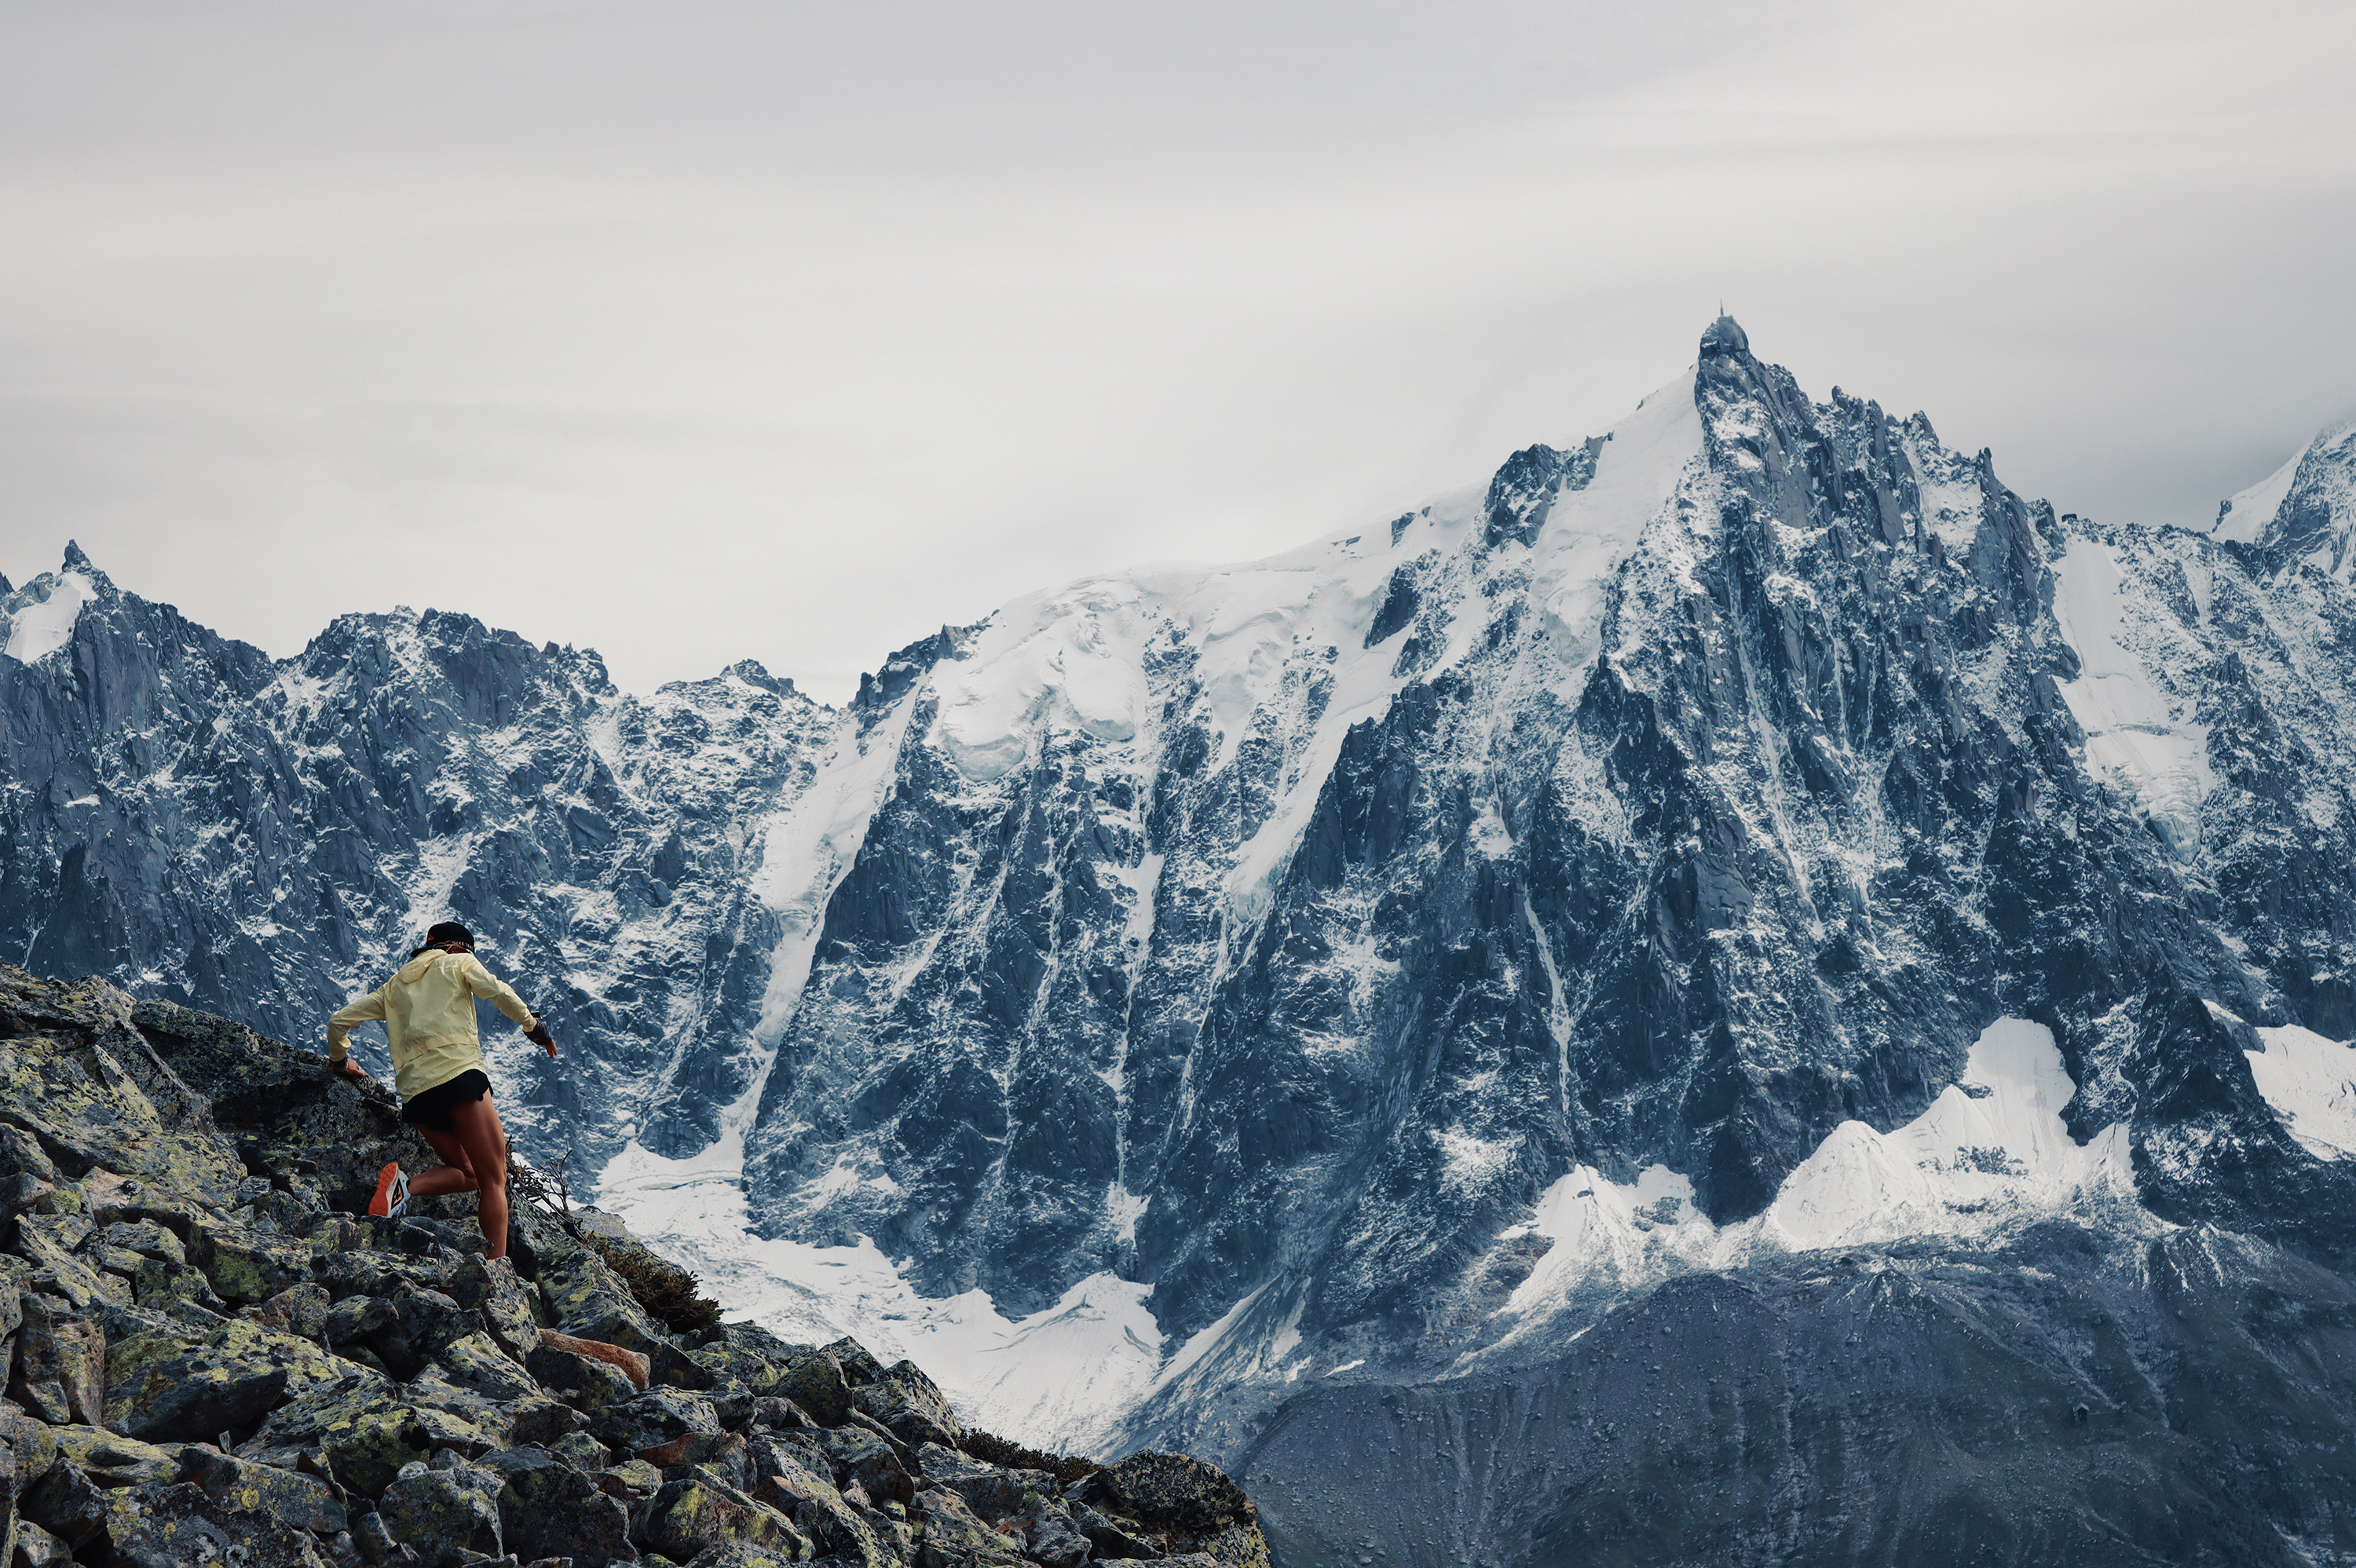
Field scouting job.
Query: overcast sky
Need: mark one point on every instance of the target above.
(694, 332)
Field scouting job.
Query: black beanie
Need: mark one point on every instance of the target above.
(448, 930)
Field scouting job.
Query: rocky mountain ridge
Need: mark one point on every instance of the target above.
(213, 1358)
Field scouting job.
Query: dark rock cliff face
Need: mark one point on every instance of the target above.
(1310, 939)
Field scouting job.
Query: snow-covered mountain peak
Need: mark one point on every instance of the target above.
(2303, 513)
(38, 619)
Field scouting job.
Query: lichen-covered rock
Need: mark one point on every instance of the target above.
(31, 1443)
(688, 1515)
(1049, 1535)
(70, 1090)
(834, 1526)
(37, 1547)
(859, 1365)
(145, 1237)
(908, 1405)
(548, 1508)
(172, 1385)
(444, 1514)
(742, 1555)
(867, 1460)
(240, 1486)
(814, 1380)
(1175, 1492)
(362, 1270)
(66, 1502)
(47, 1241)
(159, 1286)
(181, 1526)
(650, 1420)
(59, 1372)
(509, 1308)
(360, 1423)
(586, 1298)
(109, 1459)
(1111, 1537)
(477, 1362)
(724, 1365)
(249, 1266)
(992, 1492)
(300, 1311)
(592, 1387)
(633, 1481)
(407, 1329)
(954, 1537)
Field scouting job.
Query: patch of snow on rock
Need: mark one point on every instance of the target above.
(1991, 1149)
(1056, 1379)
(2312, 1083)
(46, 609)
(2135, 736)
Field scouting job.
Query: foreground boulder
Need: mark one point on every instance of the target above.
(216, 1356)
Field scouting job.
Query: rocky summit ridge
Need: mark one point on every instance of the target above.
(213, 1358)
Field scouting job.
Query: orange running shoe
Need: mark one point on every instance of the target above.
(391, 1192)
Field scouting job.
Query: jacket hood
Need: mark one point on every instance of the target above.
(409, 973)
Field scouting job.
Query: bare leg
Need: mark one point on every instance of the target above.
(456, 1174)
(483, 1143)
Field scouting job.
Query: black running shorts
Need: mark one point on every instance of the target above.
(432, 1108)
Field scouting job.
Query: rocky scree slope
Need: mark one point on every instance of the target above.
(212, 1359)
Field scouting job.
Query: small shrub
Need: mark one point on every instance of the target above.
(992, 1449)
(667, 1291)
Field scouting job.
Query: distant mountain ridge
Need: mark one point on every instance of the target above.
(1751, 830)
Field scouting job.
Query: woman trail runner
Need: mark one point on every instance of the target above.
(428, 1010)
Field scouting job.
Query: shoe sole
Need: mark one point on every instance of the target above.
(381, 1205)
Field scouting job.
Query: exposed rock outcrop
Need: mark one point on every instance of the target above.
(213, 1358)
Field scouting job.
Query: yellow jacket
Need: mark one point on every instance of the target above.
(428, 1009)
